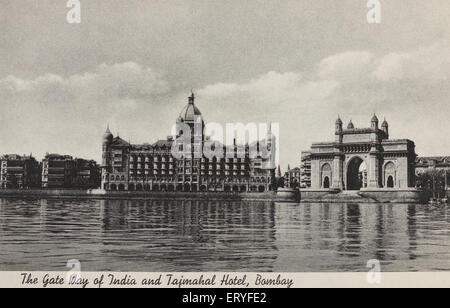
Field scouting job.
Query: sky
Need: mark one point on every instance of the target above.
(132, 64)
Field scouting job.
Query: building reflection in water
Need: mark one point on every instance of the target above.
(167, 235)
(190, 235)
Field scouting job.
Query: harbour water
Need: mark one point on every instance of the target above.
(191, 236)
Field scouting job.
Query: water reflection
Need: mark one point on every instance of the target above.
(168, 235)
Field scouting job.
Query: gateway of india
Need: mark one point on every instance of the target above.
(363, 159)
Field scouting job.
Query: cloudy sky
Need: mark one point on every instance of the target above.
(300, 63)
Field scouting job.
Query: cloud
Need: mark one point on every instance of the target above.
(430, 63)
(347, 66)
(77, 106)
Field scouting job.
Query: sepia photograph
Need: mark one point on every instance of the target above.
(224, 144)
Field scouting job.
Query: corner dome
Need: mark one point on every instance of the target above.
(108, 136)
(350, 125)
(375, 118)
(385, 123)
(339, 121)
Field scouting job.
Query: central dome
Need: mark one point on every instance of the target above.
(190, 112)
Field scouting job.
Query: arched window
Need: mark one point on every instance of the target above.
(390, 175)
(326, 176)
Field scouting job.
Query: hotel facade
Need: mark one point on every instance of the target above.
(155, 167)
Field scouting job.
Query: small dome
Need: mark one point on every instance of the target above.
(190, 112)
(108, 136)
(385, 123)
(375, 118)
(339, 121)
(350, 125)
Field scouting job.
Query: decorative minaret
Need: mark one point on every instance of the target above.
(107, 140)
(337, 177)
(374, 160)
(339, 130)
(385, 128)
(374, 122)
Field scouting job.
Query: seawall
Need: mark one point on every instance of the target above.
(364, 196)
(101, 194)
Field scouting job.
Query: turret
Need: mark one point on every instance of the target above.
(385, 128)
(350, 125)
(374, 122)
(338, 126)
(107, 140)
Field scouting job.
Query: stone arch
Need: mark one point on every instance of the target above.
(187, 187)
(261, 188)
(139, 187)
(326, 176)
(203, 188)
(131, 187)
(113, 187)
(390, 174)
(121, 187)
(356, 173)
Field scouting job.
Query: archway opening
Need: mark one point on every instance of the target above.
(390, 182)
(326, 183)
(356, 174)
(131, 187)
(121, 187)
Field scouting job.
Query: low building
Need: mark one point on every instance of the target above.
(424, 164)
(292, 178)
(305, 170)
(64, 171)
(433, 174)
(87, 174)
(19, 172)
(58, 171)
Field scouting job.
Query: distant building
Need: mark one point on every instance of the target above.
(424, 164)
(293, 178)
(58, 171)
(87, 175)
(20, 172)
(152, 167)
(63, 171)
(305, 170)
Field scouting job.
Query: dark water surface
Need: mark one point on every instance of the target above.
(180, 236)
